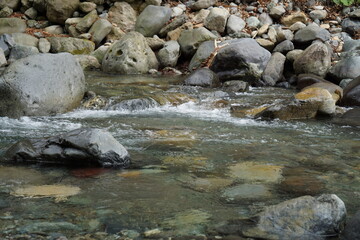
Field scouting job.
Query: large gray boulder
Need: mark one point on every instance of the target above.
(12, 25)
(169, 54)
(273, 72)
(344, 69)
(316, 59)
(242, 59)
(80, 147)
(301, 218)
(191, 39)
(57, 11)
(130, 55)
(123, 15)
(217, 19)
(42, 84)
(152, 19)
(71, 45)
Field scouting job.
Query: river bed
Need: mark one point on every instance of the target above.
(194, 164)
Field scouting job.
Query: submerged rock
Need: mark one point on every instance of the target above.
(255, 172)
(188, 223)
(56, 191)
(240, 193)
(82, 147)
(301, 218)
(49, 227)
(352, 230)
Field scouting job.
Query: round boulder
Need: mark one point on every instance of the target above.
(130, 55)
(42, 84)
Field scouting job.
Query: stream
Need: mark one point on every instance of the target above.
(194, 164)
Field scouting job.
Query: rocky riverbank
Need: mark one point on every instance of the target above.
(260, 43)
(228, 45)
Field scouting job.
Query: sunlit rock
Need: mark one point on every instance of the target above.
(239, 193)
(59, 192)
(254, 172)
(194, 162)
(204, 184)
(321, 95)
(188, 223)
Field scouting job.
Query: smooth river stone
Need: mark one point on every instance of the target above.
(243, 192)
(189, 223)
(204, 184)
(253, 172)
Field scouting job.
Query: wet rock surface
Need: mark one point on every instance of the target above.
(316, 217)
(82, 147)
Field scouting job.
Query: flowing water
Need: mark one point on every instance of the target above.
(194, 165)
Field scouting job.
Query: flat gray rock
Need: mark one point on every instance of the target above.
(80, 147)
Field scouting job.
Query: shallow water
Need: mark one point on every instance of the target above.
(193, 165)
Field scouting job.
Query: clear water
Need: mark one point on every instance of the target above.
(185, 160)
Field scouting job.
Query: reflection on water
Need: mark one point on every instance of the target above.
(194, 166)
